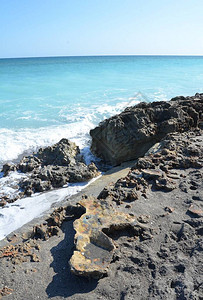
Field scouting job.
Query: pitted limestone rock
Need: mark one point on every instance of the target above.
(94, 249)
(130, 134)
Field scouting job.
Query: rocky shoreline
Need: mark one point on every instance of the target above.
(137, 237)
(49, 168)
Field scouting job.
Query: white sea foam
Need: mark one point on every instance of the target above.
(22, 211)
(9, 184)
(24, 118)
(108, 109)
(13, 143)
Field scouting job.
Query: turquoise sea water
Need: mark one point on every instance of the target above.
(45, 99)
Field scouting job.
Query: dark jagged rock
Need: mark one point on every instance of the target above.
(7, 168)
(52, 167)
(130, 134)
(29, 163)
(61, 154)
(55, 177)
(2, 203)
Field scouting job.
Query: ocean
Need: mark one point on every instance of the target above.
(45, 99)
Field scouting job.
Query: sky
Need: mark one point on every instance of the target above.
(30, 28)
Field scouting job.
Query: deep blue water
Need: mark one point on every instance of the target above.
(45, 99)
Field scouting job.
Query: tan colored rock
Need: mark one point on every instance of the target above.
(19, 253)
(152, 174)
(195, 211)
(5, 291)
(169, 209)
(94, 249)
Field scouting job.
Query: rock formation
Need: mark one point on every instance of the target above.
(161, 168)
(52, 167)
(130, 134)
(94, 248)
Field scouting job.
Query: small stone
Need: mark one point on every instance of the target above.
(196, 211)
(37, 247)
(173, 176)
(7, 168)
(143, 219)
(152, 174)
(2, 203)
(164, 184)
(14, 238)
(40, 231)
(33, 270)
(128, 206)
(169, 209)
(35, 258)
(5, 291)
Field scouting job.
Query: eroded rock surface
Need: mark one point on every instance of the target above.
(130, 134)
(52, 167)
(161, 168)
(94, 248)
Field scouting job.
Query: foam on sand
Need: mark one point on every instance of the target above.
(22, 211)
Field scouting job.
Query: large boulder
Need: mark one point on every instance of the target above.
(130, 134)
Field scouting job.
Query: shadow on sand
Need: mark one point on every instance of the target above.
(64, 283)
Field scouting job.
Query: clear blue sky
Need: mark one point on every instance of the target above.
(100, 27)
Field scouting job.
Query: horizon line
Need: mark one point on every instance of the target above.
(101, 55)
